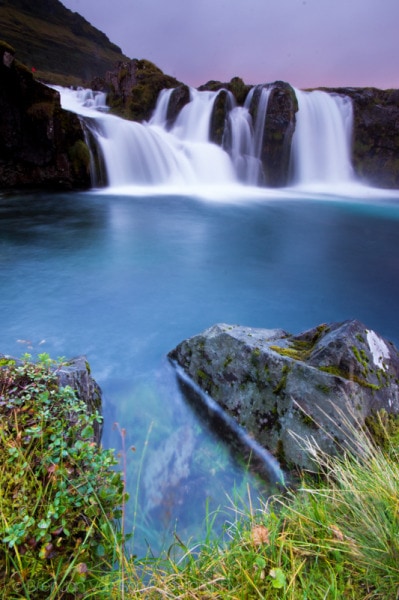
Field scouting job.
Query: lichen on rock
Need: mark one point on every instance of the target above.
(282, 387)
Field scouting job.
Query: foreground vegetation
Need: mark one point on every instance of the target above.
(335, 536)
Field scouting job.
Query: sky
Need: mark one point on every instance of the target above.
(307, 43)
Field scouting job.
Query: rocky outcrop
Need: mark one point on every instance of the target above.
(76, 374)
(279, 129)
(133, 88)
(375, 151)
(282, 387)
(177, 101)
(375, 143)
(41, 145)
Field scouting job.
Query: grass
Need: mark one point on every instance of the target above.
(335, 536)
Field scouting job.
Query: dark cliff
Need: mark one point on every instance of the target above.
(41, 145)
(375, 151)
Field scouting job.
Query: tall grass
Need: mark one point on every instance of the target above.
(335, 536)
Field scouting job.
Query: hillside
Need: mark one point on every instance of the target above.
(59, 44)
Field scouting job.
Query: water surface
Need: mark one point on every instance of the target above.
(124, 279)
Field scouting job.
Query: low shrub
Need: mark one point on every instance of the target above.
(60, 497)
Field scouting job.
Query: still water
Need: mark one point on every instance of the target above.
(123, 279)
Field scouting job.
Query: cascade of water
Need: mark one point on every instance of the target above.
(321, 144)
(161, 110)
(147, 154)
(193, 121)
(244, 138)
(154, 153)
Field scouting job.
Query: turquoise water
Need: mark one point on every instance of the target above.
(124, 279)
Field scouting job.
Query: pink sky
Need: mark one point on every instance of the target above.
(308, 43)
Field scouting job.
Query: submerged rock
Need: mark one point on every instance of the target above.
(281, 387)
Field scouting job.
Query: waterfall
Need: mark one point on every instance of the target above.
(156, 153)
(147, 154)
(321, 142)
(243, 138)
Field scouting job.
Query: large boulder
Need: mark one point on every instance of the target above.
(284, 388)
(133, 88)
(278, 131)
(41, 145)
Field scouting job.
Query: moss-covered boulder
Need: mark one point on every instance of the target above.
(41, 145)
(277, 137)
(133, 88)
(236, 86)
(283, 388)
(177, 101)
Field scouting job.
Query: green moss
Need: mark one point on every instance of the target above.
(227, 361)
(333, 370)
(6, 362)
(362, 358)
(283, 381)
(301, 348)
(280, 453)
(202, 375)
(41, 110)
(79, 155)
(290, 352)
(384, 429)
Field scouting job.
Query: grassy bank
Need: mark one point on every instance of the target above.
(336, 536)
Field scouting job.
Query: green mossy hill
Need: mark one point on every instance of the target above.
(59, 44)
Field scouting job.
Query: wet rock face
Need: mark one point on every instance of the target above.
(278, 132)
(375, 148)
(41, 145)
(376, 137)
(76, 374)
(133, 88)
(178, 100)
(280, 387)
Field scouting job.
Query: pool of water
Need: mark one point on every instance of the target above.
(123, 279)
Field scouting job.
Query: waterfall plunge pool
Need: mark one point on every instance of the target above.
(123, 279)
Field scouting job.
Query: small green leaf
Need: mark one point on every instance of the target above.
(260, 562)
(88, 432)
(278, 578)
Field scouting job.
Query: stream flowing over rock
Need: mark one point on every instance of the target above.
(285, 388)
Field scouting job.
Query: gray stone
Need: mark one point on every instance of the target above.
(76, 374)
(281, 387)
